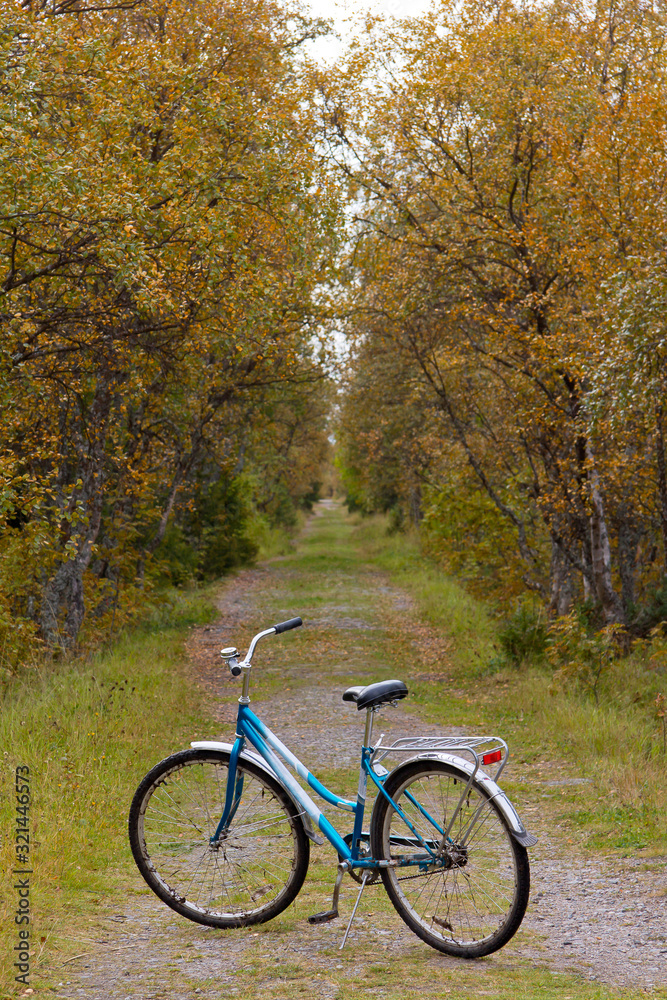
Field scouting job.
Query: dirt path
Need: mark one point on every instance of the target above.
(603, 920)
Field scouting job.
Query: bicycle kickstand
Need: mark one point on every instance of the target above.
(364, 877)
(324, 917)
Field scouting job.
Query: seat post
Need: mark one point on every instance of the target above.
(369, 725)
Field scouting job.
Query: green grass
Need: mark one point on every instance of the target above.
(271, 540)
(90, 730)
(440, 600)
(615, 742)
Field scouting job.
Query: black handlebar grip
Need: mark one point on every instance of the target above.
(286, 626)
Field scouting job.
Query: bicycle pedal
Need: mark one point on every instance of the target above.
(323, 918)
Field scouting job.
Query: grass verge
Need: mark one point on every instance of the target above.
(610, 738)
(87, 731)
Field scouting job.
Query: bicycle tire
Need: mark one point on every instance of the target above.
(253, 874)
(474, 906)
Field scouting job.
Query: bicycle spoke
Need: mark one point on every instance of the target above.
(471, 896)
(251, 873)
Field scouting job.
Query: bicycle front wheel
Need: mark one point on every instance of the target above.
(470, 899)
(256, 869)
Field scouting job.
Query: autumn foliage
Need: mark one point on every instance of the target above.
(164, 229)
(507, 164)
(171, 267)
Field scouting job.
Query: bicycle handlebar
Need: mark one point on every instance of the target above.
(286, 626)
(272, 630)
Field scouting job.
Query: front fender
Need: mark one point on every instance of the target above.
(253, 756)
(227, 748)
(492, 790)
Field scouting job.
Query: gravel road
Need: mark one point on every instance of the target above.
(603, 918)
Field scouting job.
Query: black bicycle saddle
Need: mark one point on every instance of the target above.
(375, 694)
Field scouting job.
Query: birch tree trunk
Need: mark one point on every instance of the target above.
(561, 582)
(610, 602)
(65, 588)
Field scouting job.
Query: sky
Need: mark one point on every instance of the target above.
(339, 8)
(343, 13)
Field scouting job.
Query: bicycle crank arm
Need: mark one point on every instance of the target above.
(327, 915)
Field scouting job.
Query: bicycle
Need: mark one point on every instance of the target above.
(221, 832)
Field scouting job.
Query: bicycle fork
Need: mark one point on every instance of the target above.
(233, 793)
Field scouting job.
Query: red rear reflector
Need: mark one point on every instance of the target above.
(493, 757)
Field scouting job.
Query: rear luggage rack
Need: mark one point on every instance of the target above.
(480, 749)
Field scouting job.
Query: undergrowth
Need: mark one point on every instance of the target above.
(567, 693)
(88, 730)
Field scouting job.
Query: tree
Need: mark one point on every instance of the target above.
(162, 239)
(499, 158)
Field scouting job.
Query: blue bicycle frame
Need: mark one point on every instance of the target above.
(219, 831)
(251, 729)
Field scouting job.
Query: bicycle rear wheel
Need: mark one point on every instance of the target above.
(469, 901)
(254, 872)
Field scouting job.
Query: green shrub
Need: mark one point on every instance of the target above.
(212, 536)
(581, 655)
(523, 636)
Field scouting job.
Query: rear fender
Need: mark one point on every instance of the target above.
(492, 790)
